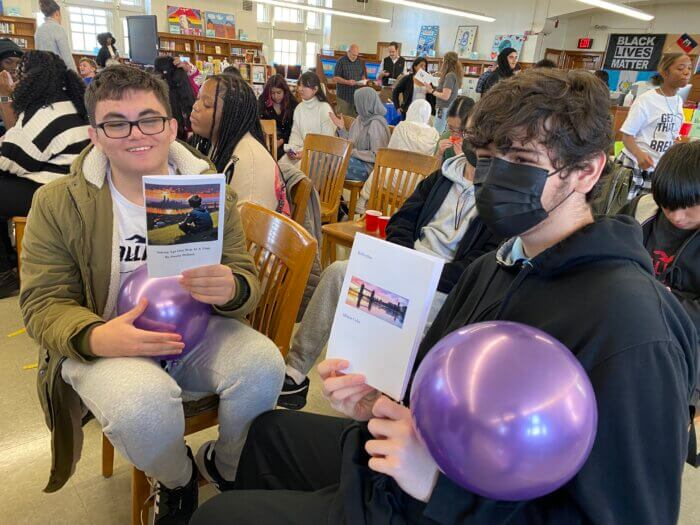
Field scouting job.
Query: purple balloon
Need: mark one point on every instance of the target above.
(505, 409)
(171, 308)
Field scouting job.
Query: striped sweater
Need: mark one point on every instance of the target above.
(43, 148)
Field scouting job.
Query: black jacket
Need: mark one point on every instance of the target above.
(683, 275)
(595, 292)
(284, 126)
(405, 87)
(395, 69)
(405, 226)
(103, 55)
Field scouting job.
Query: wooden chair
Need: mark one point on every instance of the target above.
(396, 175)
(325, 161)
(18, 223)
(283, 252)
(269, 128)
(300, 199)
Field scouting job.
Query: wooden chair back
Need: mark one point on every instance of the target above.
(396, 175)
(300, 199)
(269, 128)
(325, 161)
(18, 224)
(283, 252)
(348, 121)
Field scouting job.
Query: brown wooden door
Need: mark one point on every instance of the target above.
(554, 55)
(589, 61)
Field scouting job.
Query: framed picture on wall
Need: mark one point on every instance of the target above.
(464, 42)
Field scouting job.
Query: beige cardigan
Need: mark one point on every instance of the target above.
(255, 173)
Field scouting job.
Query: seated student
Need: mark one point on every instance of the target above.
(51, 130)
(438, 219)
(199, 219)
(227, 129)
(88, 69)
(451, 140)
(312, 115)
(670, 219)
(413, 134)
(540, 155)
(71, 273)
(369, 132)
(277, 103)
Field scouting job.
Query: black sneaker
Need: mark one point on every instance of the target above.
(9, 284)
(176, 506)
(207, 467)
(293, 395)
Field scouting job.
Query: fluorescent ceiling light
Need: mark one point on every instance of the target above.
(622, 9)
(323, 10)
(441, 9)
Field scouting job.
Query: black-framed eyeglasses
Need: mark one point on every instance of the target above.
(121, 129)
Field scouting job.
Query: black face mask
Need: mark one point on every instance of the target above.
(509, 196)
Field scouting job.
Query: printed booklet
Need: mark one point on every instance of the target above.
(383, 308)
(185, 222)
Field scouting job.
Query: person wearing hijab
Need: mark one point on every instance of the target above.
(413, 134)
(507, 60)
(368, 133)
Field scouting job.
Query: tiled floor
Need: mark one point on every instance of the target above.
(88, 498)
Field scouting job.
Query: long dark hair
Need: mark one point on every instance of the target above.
(236, 102)
(180, 93)
(311, 80)
(503, 64)
(416, 63)
(278, 82)
(43, 79)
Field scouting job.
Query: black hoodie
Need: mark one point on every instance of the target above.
(595, 292)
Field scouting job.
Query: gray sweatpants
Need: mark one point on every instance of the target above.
(315, 327)
(139, 404)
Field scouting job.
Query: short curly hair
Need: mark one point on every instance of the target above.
(112, 82)
(568, 112)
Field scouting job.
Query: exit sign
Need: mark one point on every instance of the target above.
(585, 43)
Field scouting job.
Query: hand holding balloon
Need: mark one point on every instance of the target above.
(213, 284)
(398, 452)
(120, 338)
(347, 393)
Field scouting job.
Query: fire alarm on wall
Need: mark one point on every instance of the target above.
(585, 43)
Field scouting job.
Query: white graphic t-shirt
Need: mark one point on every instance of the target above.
(131, 226)
(655, 122)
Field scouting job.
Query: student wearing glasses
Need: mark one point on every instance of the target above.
(78, 249)
(450, 143)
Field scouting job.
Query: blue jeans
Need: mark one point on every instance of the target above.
(440, 122)
(358, 170)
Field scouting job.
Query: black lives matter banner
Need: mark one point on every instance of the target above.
(634, 52)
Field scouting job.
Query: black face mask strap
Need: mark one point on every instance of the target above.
(555, 172)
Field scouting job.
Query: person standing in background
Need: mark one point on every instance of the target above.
(654, 122)
(108, 52)
(409, 89)
(50, 36)
(505, 68)
(451, 76)
(393, 66)
(349, 75)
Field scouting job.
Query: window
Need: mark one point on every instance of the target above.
(85, 24)
(286, 51)
(125, 32)
(314, 20)
(262, 15)
(291, 16)
(312, 50)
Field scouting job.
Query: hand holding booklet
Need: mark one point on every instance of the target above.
(383, 308)
(423, 76)
(185, 222)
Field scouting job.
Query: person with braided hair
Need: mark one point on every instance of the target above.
(50, 131)
(227, 128)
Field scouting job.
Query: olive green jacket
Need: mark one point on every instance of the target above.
(70, 283)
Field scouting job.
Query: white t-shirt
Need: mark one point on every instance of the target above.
(131, 227)
(419, 93)
(655, 123)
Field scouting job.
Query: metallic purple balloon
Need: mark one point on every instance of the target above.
(171, 308)
(505, 409)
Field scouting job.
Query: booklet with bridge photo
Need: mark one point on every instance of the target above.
(423, 76)
(185, 222)
(382, 311)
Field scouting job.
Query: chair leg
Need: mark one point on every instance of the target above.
(140, 491)
(324, 251)
(354, 193)
(107, 457)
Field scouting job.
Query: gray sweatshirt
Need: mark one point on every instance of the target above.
(366, 140)
(50, 36)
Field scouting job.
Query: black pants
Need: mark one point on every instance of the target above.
(295, 454)
(15, 200)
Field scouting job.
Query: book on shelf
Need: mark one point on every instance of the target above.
(7, 27)
(236, 51)
(249, 55)
(187, 47)
(217, 50)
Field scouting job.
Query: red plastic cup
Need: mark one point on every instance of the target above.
(371, 220)
(382, 223)
(685, 129)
